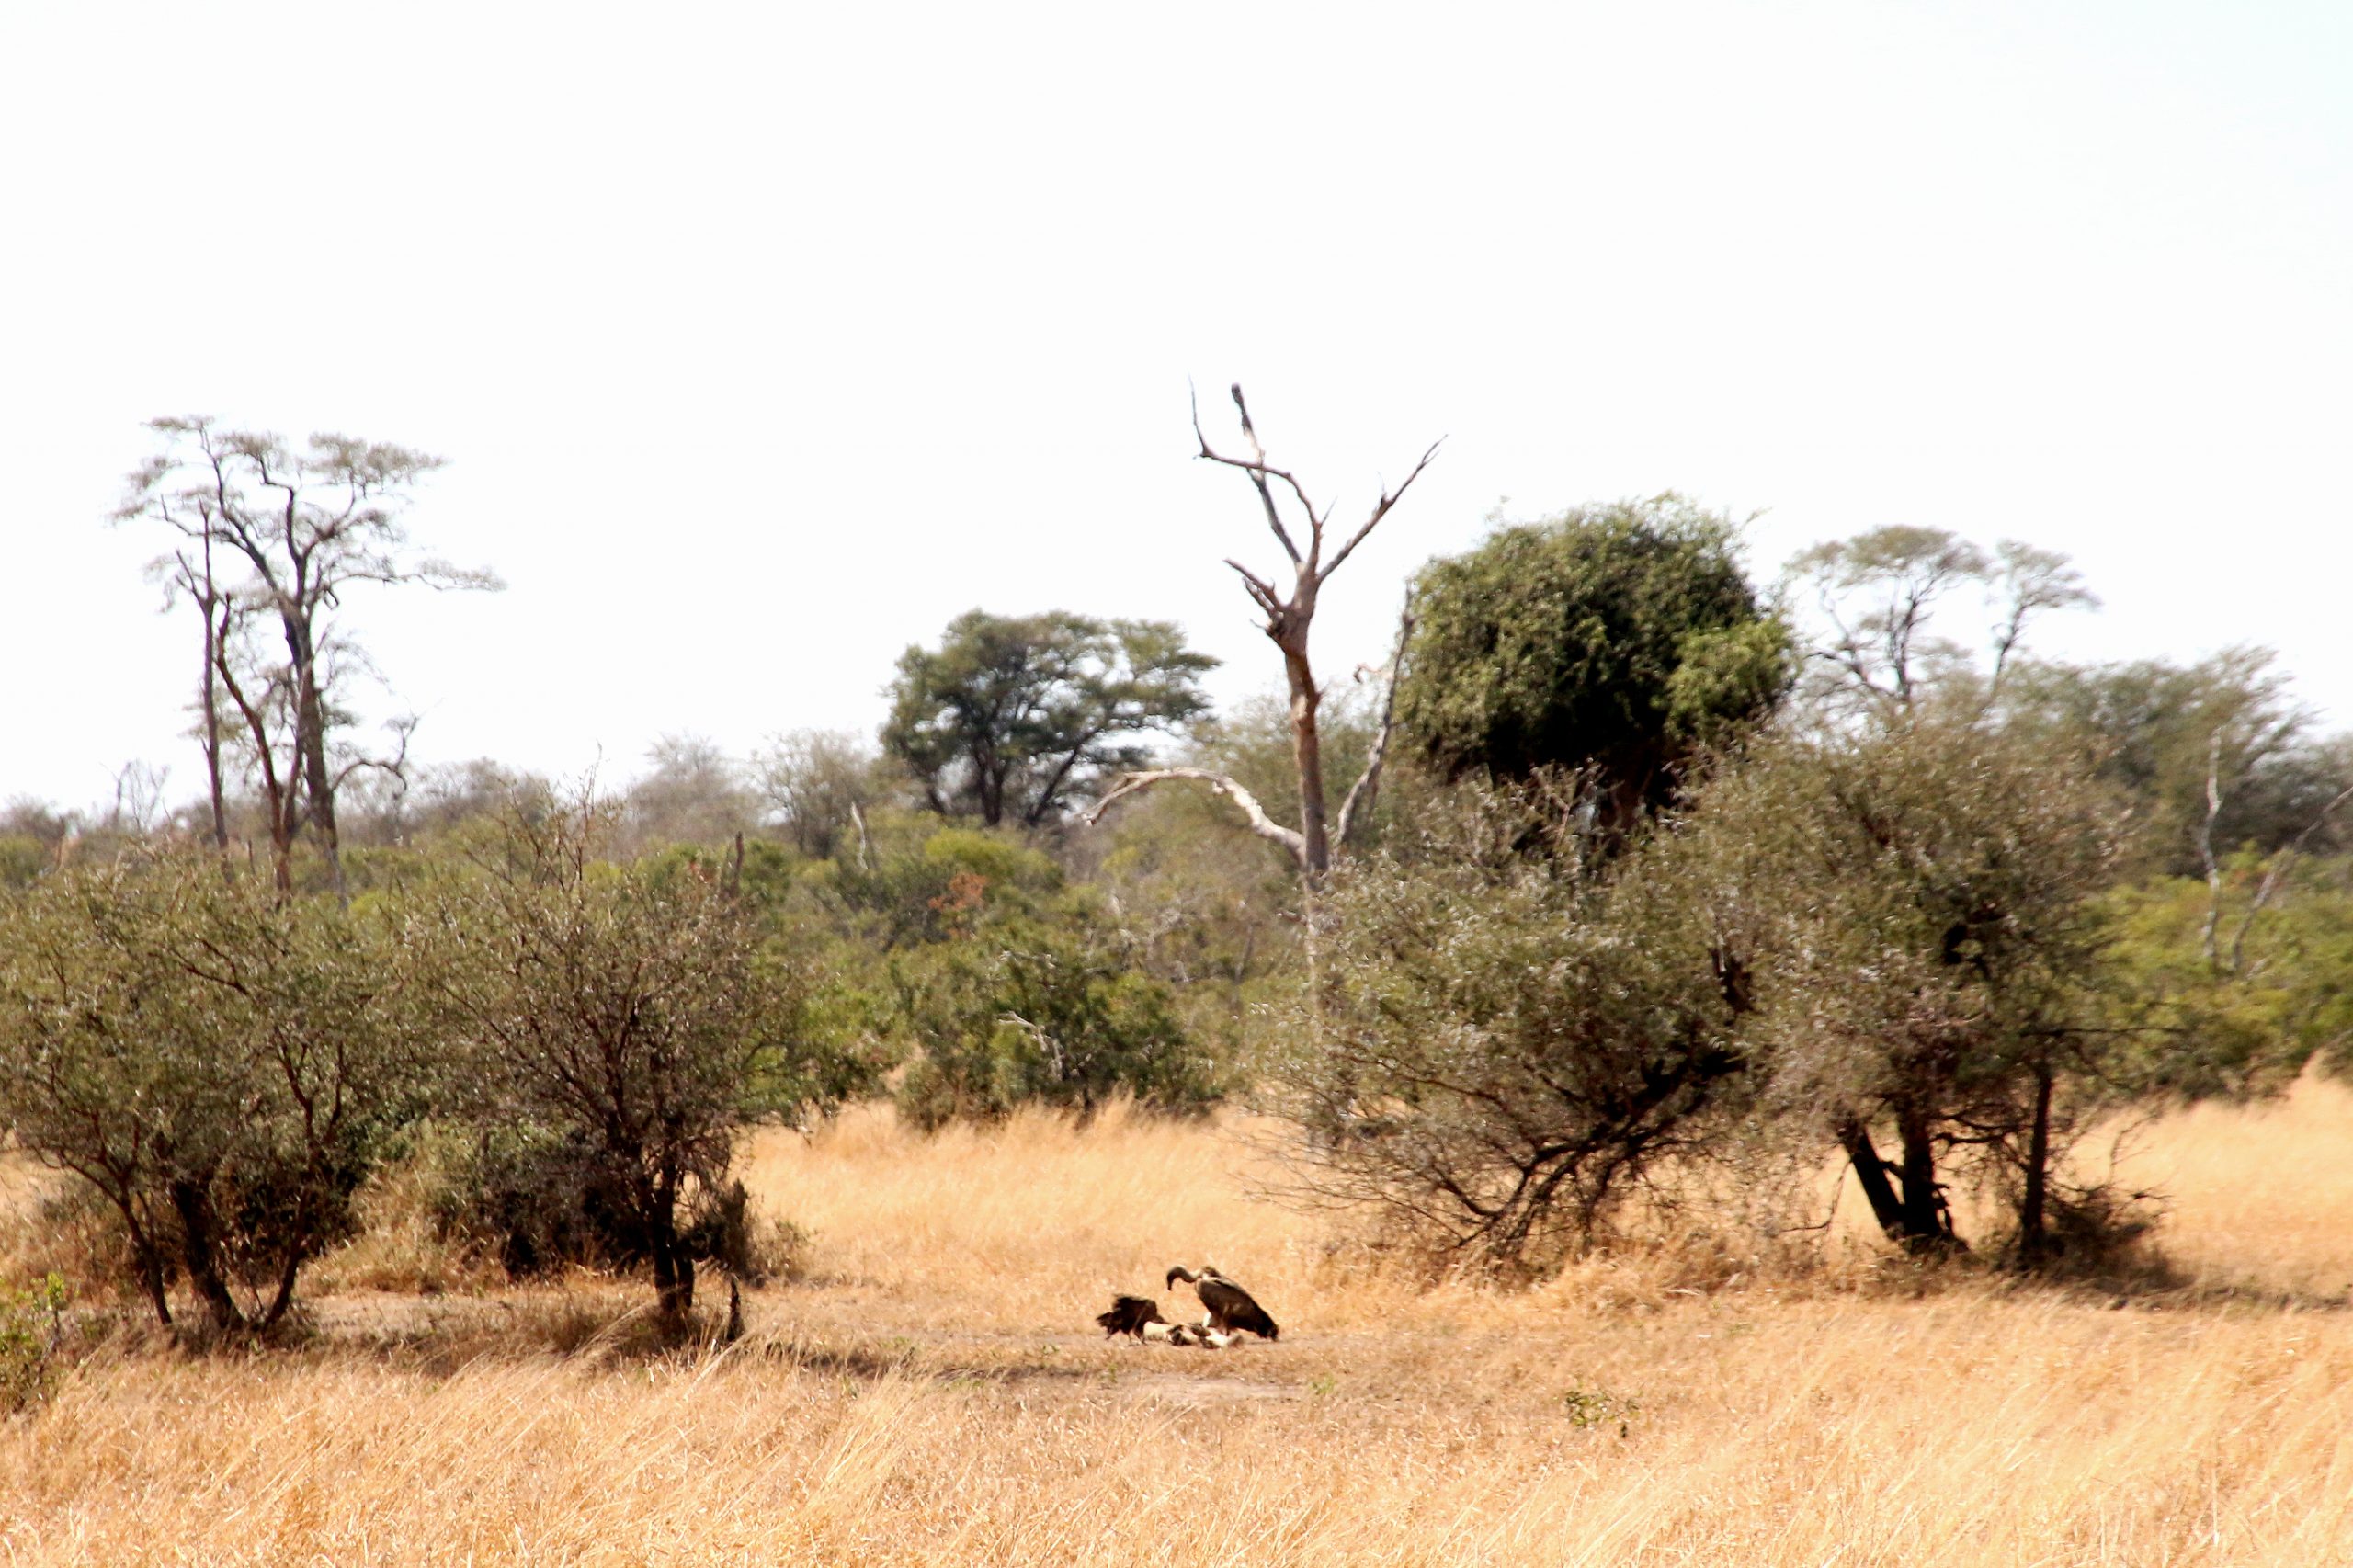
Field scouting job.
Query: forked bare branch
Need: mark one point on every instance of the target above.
(1388, 498)
(1259, 471)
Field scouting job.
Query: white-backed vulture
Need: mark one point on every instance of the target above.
(1133, 1315)
(1229, 1306)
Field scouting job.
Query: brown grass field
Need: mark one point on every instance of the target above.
(931, 1391)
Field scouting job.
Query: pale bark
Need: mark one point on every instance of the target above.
(1292, 842)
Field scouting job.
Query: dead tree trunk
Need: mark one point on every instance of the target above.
(1289, 619)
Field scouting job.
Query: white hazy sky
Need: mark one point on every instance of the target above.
(762, 340)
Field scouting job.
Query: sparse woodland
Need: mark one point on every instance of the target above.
(1705, 1069)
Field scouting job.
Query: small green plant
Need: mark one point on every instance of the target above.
(1595, 1407)
(32, 1322)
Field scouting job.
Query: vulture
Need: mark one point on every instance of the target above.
(1230, 1306)
(1129, 1315)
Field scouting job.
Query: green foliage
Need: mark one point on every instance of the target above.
(223, 1066)
(31, 1326)
(2159, 730)
(1504, 1048)
(1587, 1407)
(22, 858)
(1615, 637)
(1014, 716)
(2275, 996)
(1040, 1011)
(1932, 952)
(918, 882)
(631, 1019)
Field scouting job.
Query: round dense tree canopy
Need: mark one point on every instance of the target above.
(1617, 638)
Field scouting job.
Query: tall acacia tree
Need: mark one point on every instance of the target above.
(1011, 715)
(303, 525)
(1289, 619)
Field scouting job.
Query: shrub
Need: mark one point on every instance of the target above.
(221, 1063)
(614, 1028)
(32, 1326)
(1028, 1012)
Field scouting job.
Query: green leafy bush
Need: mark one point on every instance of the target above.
(32, 1327)
(1049, 1013)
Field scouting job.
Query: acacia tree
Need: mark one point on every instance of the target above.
(1290, 617)
(303, 526)
(1011, 715)
(1877, 593)
(1935, 959)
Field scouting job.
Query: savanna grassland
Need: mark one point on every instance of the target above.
(929, 1389)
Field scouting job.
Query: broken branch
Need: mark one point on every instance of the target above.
(1265, 826)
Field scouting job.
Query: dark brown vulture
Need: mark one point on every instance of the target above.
(1230, 1306)
(1129, 1315)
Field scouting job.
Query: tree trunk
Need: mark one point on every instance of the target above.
(1911, 1210)
(284, 1298)
(2034, 1229)
(198, 1225)
(673, 1279)
(150, 1279)
(146, 1258)
(1870, 1172)
(1307, 752)
(211, 696)
(1927, 1223)
(674, 1271)
(310, 744)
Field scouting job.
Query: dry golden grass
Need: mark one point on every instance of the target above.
(932, 1392)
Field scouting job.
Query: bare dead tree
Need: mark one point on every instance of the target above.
(306, 524)
(1290, 618)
